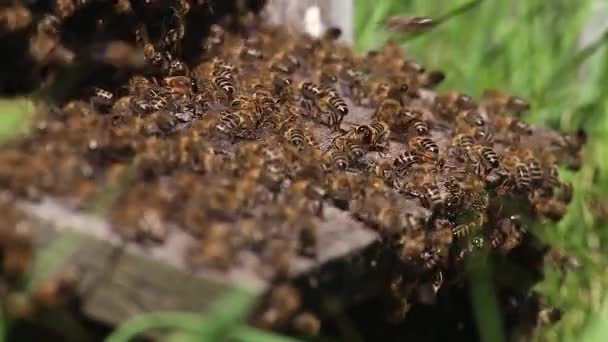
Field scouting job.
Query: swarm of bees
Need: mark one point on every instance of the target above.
(245, 146)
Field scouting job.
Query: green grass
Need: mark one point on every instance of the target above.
(530, 48)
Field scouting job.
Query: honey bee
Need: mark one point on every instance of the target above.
(430, 79)
(411, 246)
(119, 54)
(123, 7)
(420, 127)
(387, 111)
(464, 230)
(374, 135)
(173, 36)
(449, 104)
(48, 24)
(47, 49)
(102, 98)
(249, 53)
(17, 242)
(57, 291)
(338, 110)
(558, 258)
(406, 160)
(490, 157)
(471, 118)
(213, 250)
(408, 23)
(464, 141)
(310, 91)
(425, 146)
(338, 158)
(550, 208)
(512, 229)
(15, 18)
(399, 292)
(283, 302)
(66, 8)
(536, 170)
(179, 85)
(307, 324)
(552, 177)
(498, 102)
(225, 84)
(296, 136)
(523, 179)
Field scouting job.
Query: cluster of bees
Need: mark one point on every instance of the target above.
(246, 145)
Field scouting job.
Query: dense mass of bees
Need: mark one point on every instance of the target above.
(246, 146)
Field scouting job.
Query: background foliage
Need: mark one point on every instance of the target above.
(554, 54)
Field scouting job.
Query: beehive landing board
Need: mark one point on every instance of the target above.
(121, 280)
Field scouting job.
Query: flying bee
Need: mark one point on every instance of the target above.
(408, 23)
(430, 79)
(15, 18)
(425, 146)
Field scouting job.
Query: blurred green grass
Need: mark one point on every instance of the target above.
(532, 49)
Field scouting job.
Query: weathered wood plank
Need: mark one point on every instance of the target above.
(120, 279)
